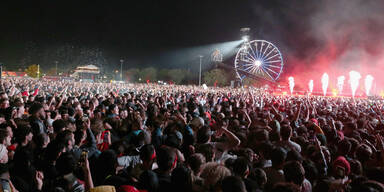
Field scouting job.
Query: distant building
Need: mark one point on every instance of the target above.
(87, 72)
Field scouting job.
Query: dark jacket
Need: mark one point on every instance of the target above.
(37, 126)
(90, 146)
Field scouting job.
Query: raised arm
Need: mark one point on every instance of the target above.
(91, 137)
(247, 118)
(297, 115)
(232, 142)
(307, 114)
(323, 161)
(87, 174)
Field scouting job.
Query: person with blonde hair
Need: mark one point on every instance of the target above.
(213, 173)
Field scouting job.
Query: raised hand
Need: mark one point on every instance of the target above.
(39, 177)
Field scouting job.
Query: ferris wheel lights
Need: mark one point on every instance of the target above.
(258, 63)
(258, 58)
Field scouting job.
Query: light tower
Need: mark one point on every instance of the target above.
(201, 57)
(121, 69)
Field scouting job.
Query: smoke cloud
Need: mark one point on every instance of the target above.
(327, 36)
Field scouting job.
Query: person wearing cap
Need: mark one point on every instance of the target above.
(341, 168)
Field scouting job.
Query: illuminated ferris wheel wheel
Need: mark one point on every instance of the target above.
(259, 58)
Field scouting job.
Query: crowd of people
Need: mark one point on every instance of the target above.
(71, 136)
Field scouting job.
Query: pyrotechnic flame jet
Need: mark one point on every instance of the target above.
(368, 84)
(310, 85)
(340, 83)
(291, 84)
(354, 78)
(324, 83)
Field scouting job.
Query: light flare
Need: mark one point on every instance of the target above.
(382, 94)
(334, 92)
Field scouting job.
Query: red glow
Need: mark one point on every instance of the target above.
(337, 57)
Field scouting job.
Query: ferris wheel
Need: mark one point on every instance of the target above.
(259, 58)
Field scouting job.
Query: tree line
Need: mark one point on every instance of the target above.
(212, 77)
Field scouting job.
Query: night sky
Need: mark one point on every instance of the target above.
(127, 29)
(309, 33)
